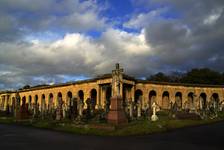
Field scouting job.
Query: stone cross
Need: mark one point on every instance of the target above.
(117, 80)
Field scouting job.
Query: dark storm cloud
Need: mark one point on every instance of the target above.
(176, 35)
(193, 39)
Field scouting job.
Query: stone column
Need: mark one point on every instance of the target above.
(5, 102)
(102, 99)
(132, 93)
(121, 90)
(131, 109)
(98, 99)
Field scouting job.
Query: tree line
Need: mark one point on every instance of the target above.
(194, 76)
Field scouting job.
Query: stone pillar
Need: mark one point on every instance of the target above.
(98, 99)
(121, 90)
(103, 98)
(5, 102)
(132, 93)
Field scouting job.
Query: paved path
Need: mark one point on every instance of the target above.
(196, 138)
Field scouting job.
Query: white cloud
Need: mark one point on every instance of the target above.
(143, 19)
(213, 17)
(74, 54)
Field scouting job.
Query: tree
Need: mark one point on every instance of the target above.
(195, 76)
(203, 76)
(161, 77)
(26, 87)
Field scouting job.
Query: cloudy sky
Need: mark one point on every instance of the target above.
(52, 41)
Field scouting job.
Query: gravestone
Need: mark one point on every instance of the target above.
(24, 113)
(80, 105)
(88, 110)
(174, 109)
(139, 105)
(154, 117)
(130, 104)
(116, 114)
(59, 110)
(58, 114)
(63, 110)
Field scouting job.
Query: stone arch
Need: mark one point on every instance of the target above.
(190, 101)
(81, 95)
(138, 96)
(203, 101)
(30, 102)
(43, 102)
(215, 100)
(178, 99)
(108, 94)
(165, 100)
(93, 97)
(13, 103)
(59, 100)
(51, 101)
(36, 99)
(69, 98)
(152, 97)
(24, 100)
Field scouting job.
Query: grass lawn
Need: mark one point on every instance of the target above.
(137, 127)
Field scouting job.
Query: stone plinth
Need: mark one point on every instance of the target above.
(116, 114)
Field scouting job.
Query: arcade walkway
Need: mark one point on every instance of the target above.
(27, 138)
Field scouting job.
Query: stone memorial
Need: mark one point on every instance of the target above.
(81, 105)
(64, 108)
(116, 113)
(139, 109)
(154, 109)
(130, 109)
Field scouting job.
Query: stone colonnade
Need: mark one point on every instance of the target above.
(192, 97)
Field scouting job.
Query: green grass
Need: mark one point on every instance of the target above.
(137, 127)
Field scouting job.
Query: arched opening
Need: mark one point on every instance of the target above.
(190, 98)
(59, 100)
(178, 99)
(108, 96)
(30, 102)
(43, 103)
(69, 98)
(152, 98)
(165, 100)
(81, 95)
(138, 96)
(215, 100)
(93, 97)
(51, 102)
(24, 101)
(13, 103)
(36, 100)
(203, 101)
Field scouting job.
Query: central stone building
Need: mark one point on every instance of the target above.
(102, 88)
